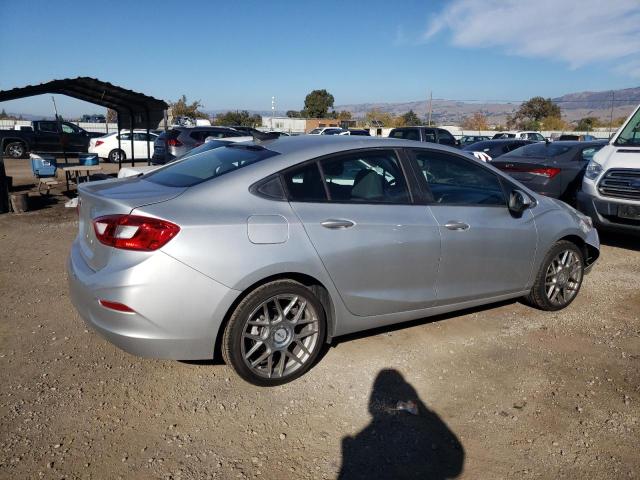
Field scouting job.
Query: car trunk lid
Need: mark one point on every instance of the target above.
(526, 169)
(113, 197)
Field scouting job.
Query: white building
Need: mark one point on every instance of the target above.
(285, 124)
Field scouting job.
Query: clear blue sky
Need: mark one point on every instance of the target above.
(237, 54)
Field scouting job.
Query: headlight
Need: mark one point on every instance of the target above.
(593, 170)
(586, 224)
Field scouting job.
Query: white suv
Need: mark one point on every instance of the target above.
(520, 135)
(611, 186)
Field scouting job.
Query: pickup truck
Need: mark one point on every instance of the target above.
(45, 136)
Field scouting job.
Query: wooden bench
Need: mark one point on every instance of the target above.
(46, 183)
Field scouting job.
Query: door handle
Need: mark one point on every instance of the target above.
(455, 225)
(335, 224)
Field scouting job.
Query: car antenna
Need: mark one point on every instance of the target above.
(259, 137)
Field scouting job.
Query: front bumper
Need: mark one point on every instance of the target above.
(178, 310)
(604, 214)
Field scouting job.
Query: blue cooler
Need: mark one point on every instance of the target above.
(88, 159)
(43, 165)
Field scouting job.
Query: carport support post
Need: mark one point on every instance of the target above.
(146, 112)
(131, 136)
(165, 122)
(119, 145)
(4, 187)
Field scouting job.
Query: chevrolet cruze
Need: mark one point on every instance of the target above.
(265, 251)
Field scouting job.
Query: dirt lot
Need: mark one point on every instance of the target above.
(501, 392)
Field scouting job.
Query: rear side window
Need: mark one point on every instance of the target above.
(48, 127)
(455, 181)
(304, 184)
(370, 177)
(207, 165)
(408, 134)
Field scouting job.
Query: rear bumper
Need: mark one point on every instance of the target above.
(177, 310)
(604, 214)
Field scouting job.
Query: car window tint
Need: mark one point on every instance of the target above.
(49, 127)
(372, 177)
(409, 134)
(446, 137)
(195, 169)
(455, 181)
(304, 184)
(125, 136)
(588, 153)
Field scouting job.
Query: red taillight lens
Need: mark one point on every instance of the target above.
(133, 232)
(545, 172)
(174, 142)
(119, 307)
(99, 142)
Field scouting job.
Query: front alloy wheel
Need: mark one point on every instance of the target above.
(275, 333)
(559, 278)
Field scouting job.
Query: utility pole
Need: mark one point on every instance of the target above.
(613, 93)
(55, 109)
(430, 102)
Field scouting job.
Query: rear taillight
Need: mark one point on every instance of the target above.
(174, 142)
(99, 142)
(543, 172)
(133, 232)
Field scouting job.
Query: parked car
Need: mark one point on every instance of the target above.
(179, 140)
(521, 135)
(327, 131)
(572, 137)
(244, 129)
(362, 132)
(469, 139)
(554, 169)
(106, 147)
(425, 134)
(45, 136)
(490, 149)
(268, 250)
(611, 186)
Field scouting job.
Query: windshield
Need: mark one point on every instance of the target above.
(630, 134)
(212, 163)
(315, 131)
(539, 150)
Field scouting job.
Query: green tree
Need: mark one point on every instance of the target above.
(293, 114)
(182, 108)
(410, 118)
(318, 103)
(241, 118)
(533, 111)
(344, 115)
(385, 118)
(587, 123)
(554, 123)
(3, 115)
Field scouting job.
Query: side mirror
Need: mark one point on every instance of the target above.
(519, 202)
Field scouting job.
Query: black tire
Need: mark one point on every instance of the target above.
(548, 283)
(113, 155)
(233, 343)
(15, 150)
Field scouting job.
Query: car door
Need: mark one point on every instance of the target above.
(76, 140)
(486, 251)
(125, 143)
(143, 145)
(379, 248)
(48, 137)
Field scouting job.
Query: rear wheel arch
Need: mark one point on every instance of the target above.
(316, 287)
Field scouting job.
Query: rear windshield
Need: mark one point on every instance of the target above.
(630, 134)
(169, 134)
(195, 169)
(540, 150)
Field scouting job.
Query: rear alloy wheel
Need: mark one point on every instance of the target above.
(275, 334)
(115, 155)
(15, 150)
(559, 279)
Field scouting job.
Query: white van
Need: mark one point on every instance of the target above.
(611, 186)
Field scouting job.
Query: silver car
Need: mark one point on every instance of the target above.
(179, 140)
(266, 251)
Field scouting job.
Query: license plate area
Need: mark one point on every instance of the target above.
(629, 211)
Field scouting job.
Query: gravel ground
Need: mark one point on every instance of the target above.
(500, 392)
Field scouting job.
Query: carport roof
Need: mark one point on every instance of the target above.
(145, 110)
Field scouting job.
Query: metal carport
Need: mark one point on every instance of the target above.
(135, 110)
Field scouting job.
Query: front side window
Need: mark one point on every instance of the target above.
(455, 181)
(207, 165)
(445, 137)
(370, 177)
(630, 134)
(125, 136)
(66, 128)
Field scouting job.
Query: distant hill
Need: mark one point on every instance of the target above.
(574, 106)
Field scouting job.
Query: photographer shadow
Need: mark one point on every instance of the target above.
(401, 444)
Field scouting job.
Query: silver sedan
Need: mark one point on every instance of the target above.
(265, 251)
